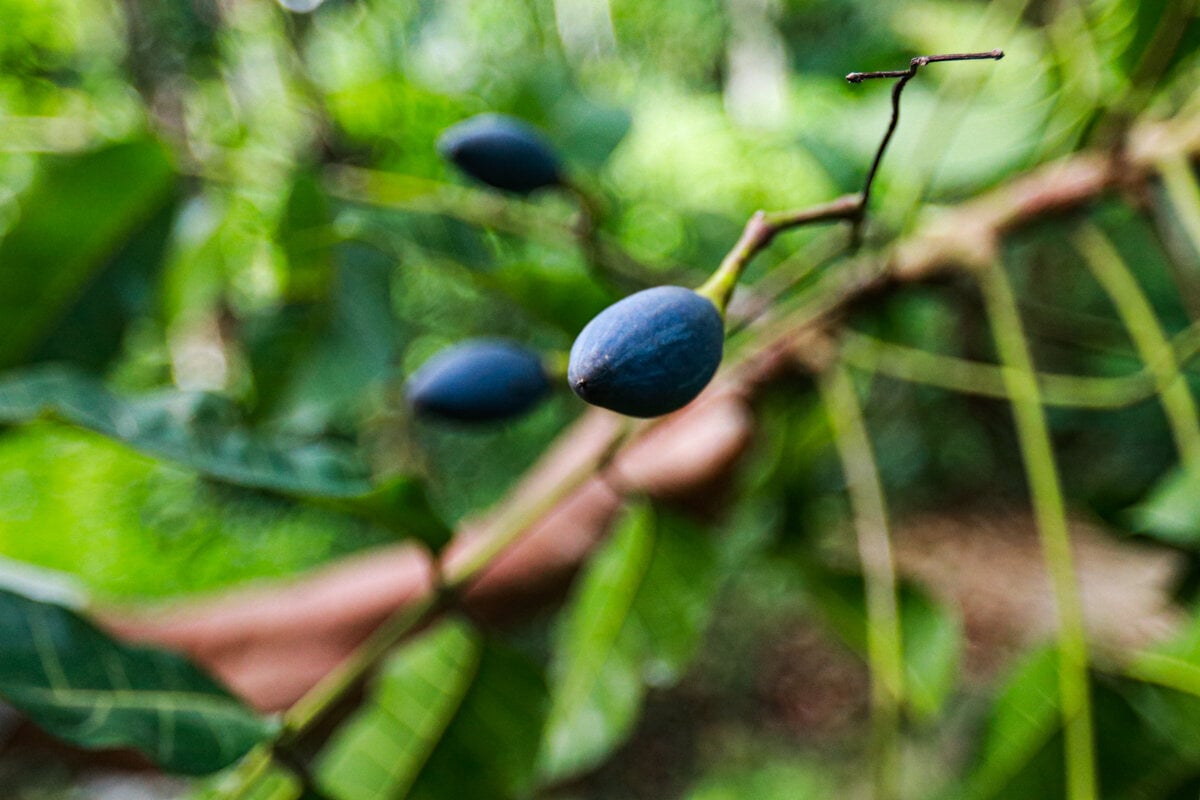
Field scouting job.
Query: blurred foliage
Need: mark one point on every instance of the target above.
(225, 238)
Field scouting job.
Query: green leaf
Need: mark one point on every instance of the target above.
(196, 430)
(451, 716)
(773, 780)
(74, 218)
(91, 332)
(933, 644)
(636, 618)
(490, 748)
(1166, 678)
(380, 753)
(400, 504)
(355, 347)
(278, 340)
(279, 783)
(1025, 718)
(1147, 738)
(76, 683)
(1171, 511)
(932, 636)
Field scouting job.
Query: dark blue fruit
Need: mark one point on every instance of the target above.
(502, 152)
(483, 380)
(648, 354)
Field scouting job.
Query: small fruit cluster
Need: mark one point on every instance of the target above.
(646, 355)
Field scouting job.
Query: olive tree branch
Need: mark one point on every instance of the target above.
(608, 261)
(762, 228)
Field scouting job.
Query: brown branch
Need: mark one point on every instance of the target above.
(968, 234)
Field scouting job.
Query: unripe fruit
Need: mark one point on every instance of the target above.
(482, 380)
(648, 354)
(502, 152)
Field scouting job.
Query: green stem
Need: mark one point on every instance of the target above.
(322, 697)
(485, 209)
(310, 708)
(1114, 275)
(973, 377)
(1183, 193)
(761, 229)
(1049, 510)
(884, 640)
(719, 287)
(608, 262)
(504, 530)
(254, 767)
(516, 519)
(785, 276)
(424, 196)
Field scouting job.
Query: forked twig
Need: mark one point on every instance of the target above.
(904, 77)
(762, 227)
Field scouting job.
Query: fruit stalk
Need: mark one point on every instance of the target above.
(760, 231)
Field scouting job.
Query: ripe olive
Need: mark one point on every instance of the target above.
(648, 354)
(480, 380)
(502, 152)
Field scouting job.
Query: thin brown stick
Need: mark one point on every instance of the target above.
(904, 77)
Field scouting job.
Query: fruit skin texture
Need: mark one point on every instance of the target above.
(648, 354)
(502, 152)
(481, 380)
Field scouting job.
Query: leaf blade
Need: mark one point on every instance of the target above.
(636, 620)
(42, 271)
(193, 429)
(80, 685)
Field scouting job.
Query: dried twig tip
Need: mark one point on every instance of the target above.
(920, 61)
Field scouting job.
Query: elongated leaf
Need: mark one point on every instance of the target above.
(1171, 511)
(636, 619)
(490, 748)
(380, 753)
(1025, 718)
(77, 683)
(193, 429)
(1147, 738)
(91, 330)
(277, 341)
(75, 216)
(452, 716)
(1165, 688)
(279, 783)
